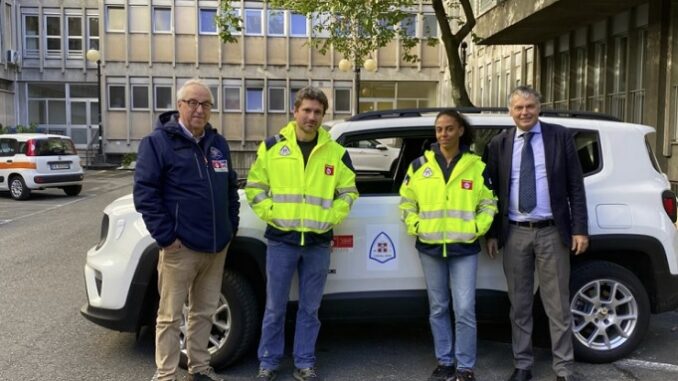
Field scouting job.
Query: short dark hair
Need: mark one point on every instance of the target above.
(312, 93)
(523, 91)
(467, 138)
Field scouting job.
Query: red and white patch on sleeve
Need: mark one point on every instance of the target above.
(329, 170)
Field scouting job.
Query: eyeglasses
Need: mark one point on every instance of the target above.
(193, 104)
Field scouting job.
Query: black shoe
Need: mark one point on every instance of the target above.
(305, 374)
(267, 374)
(443, 373)
(206, 375)
(464, 375)
(521, 375)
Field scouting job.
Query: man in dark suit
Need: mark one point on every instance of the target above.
(542, 217)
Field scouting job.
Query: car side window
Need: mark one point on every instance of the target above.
(588, 151)
(8, 147)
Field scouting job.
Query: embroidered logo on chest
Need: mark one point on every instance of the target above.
(329, 170)
(427, 172)
(467, 184)
(285, 151)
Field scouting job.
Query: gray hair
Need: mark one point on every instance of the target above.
(525, 92)
(312, 93)
(194, 82)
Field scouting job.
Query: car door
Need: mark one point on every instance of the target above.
(8, 147)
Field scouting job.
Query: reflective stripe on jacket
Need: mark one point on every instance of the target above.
(296, 199)
(459, 211)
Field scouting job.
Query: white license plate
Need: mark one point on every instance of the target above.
(60, 166)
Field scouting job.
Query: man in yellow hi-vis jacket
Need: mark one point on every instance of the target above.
(302, 184)
(447, 203)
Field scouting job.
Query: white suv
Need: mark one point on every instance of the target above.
(629, 271)
(38, 161)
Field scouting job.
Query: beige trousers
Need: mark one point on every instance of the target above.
(186, 275)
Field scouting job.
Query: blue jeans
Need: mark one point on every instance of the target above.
(282, 261)
(459, 345)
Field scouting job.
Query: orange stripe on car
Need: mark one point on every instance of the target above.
(18, 165)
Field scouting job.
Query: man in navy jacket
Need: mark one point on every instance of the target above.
(186, 191)
(535, 171)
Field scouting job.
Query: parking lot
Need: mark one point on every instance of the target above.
(43, 243)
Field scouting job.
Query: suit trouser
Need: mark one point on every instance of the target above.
(541, 247)
(194, 276)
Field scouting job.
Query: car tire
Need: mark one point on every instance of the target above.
(72, 190)
(18, 189)
(236, 322)
(610, 311)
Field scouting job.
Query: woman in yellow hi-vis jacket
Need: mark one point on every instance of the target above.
(448, 204)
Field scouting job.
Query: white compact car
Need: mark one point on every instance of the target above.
(37, 161)
(372, 155)
(629, 272)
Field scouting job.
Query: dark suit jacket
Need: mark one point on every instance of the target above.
(565, 180)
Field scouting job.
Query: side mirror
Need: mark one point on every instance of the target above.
(381, 147)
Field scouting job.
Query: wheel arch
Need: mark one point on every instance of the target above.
(644, 256)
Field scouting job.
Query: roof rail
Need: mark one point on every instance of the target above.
(410, 112)
(413, 112)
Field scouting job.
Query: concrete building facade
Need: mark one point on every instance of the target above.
(609, 56)
(150, 48)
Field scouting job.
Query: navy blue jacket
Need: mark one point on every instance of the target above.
(184, 189)
(564, 174)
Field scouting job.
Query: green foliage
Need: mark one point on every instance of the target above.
(356, 28)
(228, 22)
(128, 158)
(31, 128)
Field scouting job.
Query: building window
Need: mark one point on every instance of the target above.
(276, 23)
(430, 27)
(116, 97)
(253, 25)
(53, 36)
(93, 32)
(208, 24)
(254, 99)
(276, 99)
(115, 19)
(162, 20)
(319, 21)
(409, 24)
(31, 36)
(163, 97)
(74, 24)
(214, 89)
(342, 100)
(298, 25)
(231, 98)
(140, 97)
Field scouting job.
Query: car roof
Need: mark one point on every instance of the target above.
(494, 120)
(26, 136)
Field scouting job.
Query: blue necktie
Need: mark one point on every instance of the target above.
(527, 199)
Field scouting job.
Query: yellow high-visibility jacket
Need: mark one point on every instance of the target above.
(438, 212)
(301, 204)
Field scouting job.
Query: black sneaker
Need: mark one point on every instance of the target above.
(443, 373)
(206, 375)
(266, 374)
(464, 375)
(305, 374)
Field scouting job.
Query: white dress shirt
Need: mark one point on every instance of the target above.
(543, 209)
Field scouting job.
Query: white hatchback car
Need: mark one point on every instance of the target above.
(38, 161)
